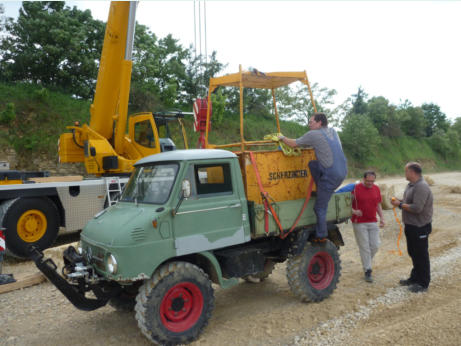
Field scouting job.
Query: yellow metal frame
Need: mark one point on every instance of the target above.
(256, 80)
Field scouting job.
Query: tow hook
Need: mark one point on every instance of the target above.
(72, 292)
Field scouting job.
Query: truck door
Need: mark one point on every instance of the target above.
(143, 134)
(211, 217)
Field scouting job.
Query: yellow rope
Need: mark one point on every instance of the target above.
(399, 252)
(287, 150)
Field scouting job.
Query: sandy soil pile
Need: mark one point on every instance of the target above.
(358, 313)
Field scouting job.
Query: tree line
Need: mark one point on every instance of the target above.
(58, 47)
(368, 120)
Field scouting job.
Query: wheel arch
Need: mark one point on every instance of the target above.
(204, 260)
(57, 202)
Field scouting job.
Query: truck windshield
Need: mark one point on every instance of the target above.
(150, 184)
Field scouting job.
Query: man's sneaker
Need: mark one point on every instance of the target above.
(406, 282)
(368, 277)
(415, 288)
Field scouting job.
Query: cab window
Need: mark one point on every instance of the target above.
(144, 134)
(213, 179)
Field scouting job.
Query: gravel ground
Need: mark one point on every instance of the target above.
(358, 313)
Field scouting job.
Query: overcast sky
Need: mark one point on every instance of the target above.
(399, 50)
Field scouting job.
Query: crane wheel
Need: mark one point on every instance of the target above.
(30, 221)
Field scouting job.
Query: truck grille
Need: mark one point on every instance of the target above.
(138, 234)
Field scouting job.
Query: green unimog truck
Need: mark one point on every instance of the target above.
(190, 218)
(175, 232)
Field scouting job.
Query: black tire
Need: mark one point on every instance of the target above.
(261, 276)
(174, 306)
(314, 274)
(30, 221)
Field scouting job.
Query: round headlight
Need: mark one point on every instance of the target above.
(111, 264)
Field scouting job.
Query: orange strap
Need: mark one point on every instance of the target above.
(264, 197)
(400, 235)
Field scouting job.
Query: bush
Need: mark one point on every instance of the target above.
(8, 115)
(359, 136)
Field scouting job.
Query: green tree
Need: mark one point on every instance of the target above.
(158, 71)
(439, 142)
(359, 104)
(165, 74)
(218, 101)
(294, 102)
(359, 137)
(384, 117)
(455, 145)
(52, 45)
(199, 70)
(411, 119)
(435, 119)
(457, 126)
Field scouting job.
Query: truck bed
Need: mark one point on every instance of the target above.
(339, 210)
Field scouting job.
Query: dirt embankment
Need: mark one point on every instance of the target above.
(358, 313)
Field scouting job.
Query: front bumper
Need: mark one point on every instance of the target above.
(75, 293)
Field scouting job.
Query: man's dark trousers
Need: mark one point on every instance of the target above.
(325, 189)
(417, 246)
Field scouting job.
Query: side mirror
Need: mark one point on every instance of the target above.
(185, 193)
(186, 188)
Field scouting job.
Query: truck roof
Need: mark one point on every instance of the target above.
(185, 155)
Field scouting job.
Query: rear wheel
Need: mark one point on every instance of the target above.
(175, 304)
(314, 274)
(30, 221)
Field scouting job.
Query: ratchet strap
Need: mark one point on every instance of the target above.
(264, 195)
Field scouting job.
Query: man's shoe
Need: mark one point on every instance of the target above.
(406, 282)
(416, 288)
(368, 277)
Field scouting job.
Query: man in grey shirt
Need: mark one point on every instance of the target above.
(330, 168)
(417, 216)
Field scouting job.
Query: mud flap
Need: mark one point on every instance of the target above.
(77, 298)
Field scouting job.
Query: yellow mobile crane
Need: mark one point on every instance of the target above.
(33, 213)
(103, 145)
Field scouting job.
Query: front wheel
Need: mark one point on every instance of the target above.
(314, 274)
(174, 306)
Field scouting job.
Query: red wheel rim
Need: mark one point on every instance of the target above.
(321, 270)
(181, 307)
